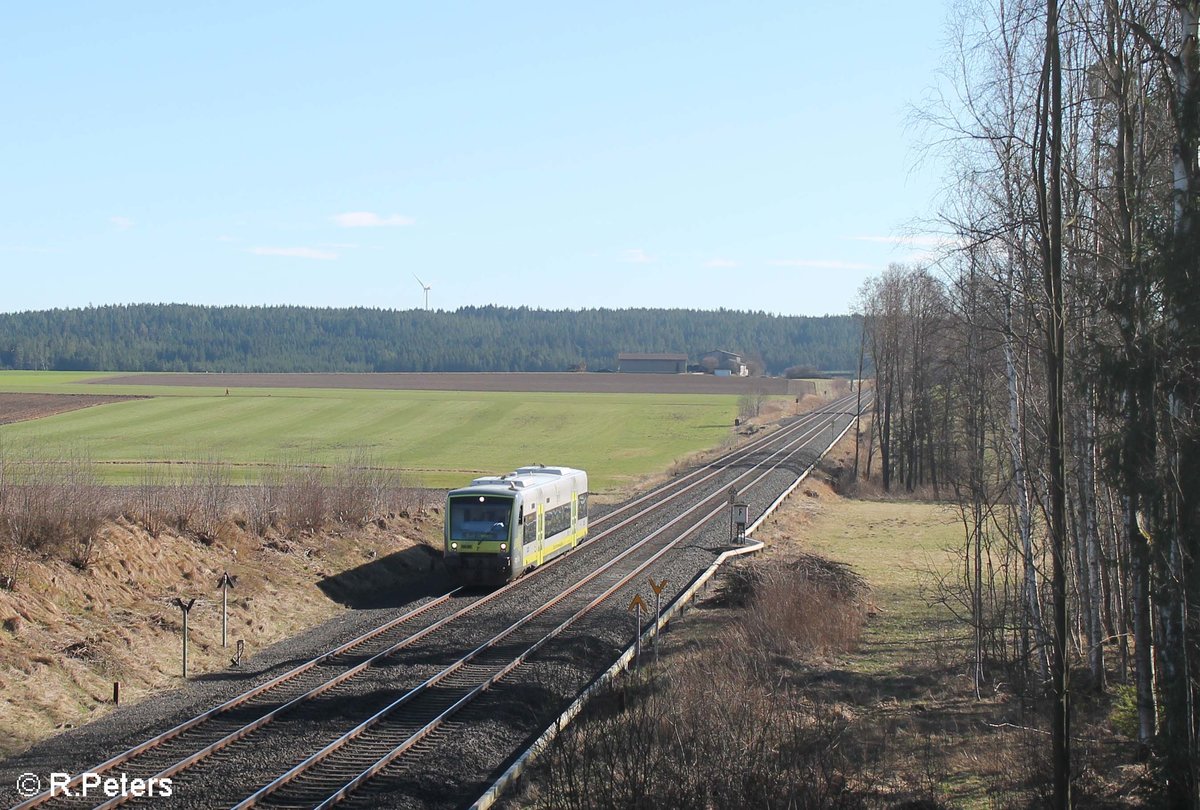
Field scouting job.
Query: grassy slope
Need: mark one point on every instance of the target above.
(896, 547)
(910, 674)
(442, 437)
(911, 677)
(66, 635)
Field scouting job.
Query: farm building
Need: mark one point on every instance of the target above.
(662, 363)
(724, 363)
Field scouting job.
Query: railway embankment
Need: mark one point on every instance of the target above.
(70, 629)
(826, 670)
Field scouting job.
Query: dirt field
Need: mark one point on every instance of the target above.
(590, 383)
(20, 407)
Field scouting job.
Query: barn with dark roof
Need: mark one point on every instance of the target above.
(657, 363)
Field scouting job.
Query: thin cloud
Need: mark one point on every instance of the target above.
(636, 256)
(822, 264)
(121, 223)
(28, 249)
(368, 219)
(923, 248)
(294, 252)
(922, 240)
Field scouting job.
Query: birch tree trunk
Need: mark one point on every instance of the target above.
(1048, 168)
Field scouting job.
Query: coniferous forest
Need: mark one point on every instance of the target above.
(181, 337)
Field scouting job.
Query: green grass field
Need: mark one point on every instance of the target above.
(442, 438)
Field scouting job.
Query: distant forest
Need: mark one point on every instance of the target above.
(180, 337)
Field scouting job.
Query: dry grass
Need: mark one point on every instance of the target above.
(867, 689)
(88, 574)
(797, 608)
(842, 666)
(716, 728)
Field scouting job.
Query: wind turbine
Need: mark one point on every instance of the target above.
(426, 288)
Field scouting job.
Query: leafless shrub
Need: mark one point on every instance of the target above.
(213, 481)
(406, 498)
(182, 502)
(359, 489)
(295, 497)
(709, 734)
(722, 728)
(52, 506)
(148, 499)
(809, 605)
(750, 403)
(261, 502)
(305, 498)
(189, 497)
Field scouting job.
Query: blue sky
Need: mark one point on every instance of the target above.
(555, 155)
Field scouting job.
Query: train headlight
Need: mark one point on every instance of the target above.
(504, 546)
(454, 545)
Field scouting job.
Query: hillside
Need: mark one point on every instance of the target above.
(180, 337)
(67, 633)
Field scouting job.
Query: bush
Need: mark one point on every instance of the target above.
(716, 735)
(52, 506)
(723, 729)
(56, 506)
(809, 605)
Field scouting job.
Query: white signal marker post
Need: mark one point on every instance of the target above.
(226, 582)
(636, 605)
(658, 589)
(733, 499)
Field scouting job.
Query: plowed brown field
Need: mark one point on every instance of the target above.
(597, 383)
(20, 407)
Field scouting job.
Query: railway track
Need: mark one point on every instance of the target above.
(408, 677)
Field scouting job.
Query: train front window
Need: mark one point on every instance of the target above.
(480, 517)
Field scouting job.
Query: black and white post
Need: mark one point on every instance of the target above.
(657, 587)
(186, 607)
(733, 497)
(635, 606)
(226, 582)
(637, 652)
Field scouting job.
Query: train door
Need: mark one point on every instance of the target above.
(529, 542)
(574, 519)
(541, 533)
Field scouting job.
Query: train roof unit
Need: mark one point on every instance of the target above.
(526, 478)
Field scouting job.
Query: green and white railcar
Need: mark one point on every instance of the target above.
(501, 526)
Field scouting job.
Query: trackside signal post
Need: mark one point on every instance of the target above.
(186, 607)
(225, 583)
(637, 605)
(658, 589)
(739, 517)
(733, 499)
